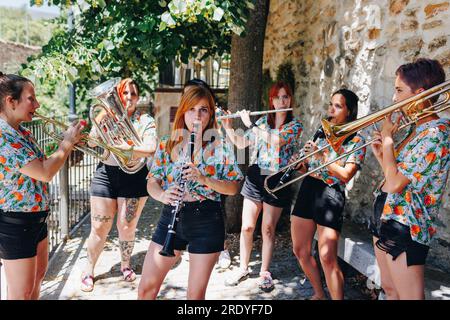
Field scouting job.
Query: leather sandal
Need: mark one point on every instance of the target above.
(128, 274)
(265, 281)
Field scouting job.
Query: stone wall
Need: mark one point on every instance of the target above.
(358, 44)
(14, 54)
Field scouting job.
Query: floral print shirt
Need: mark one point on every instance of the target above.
(356, 157)
(18, 192)
(144, 124)
(216, 161)
(273, 157)
(425, 161)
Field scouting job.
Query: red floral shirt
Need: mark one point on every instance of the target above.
(19, 192)
(425, 161)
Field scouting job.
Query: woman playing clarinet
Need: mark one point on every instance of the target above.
(206, 173)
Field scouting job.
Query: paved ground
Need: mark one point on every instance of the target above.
(63, 278)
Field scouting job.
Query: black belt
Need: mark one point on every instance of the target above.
(17, 220)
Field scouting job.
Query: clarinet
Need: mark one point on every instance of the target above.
(167, 250)
(287, 175)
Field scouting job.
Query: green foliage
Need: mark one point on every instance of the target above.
(286, 74)
(134, 38)
(16, 25)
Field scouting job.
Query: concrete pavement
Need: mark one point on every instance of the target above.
(63, 278)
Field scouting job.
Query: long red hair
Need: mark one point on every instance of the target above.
(273, 92)
(191, 96)
(120, 90)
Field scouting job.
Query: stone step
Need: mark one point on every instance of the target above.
(356, 249)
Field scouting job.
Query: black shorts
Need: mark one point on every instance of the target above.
(20, 234)
(200, 227)
(374, 220)
(395, 238)
(253, 189)
(111, 182)
(318, 201)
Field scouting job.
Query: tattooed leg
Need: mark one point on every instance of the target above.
(131, 208)
(126, 249)
(101, 225)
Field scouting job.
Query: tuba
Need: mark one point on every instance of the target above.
(115, 128)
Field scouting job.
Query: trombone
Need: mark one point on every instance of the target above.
(336, 134)
(85, 149)
(253, 113)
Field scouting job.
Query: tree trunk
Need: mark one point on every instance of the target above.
(245, 87)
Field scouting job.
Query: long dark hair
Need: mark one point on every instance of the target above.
(351, 101)
(11, 85)
(273, 92)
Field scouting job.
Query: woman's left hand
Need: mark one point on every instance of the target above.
(389, 127)
(193, 173)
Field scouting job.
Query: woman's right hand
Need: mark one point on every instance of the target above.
(171, 195)
(73, 133)
(377, 146)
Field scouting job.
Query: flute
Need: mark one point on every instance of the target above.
(253, 113)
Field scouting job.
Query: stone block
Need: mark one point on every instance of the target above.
(432, 24)
(374, 34)
(397, 6)
(433, 9)
(411, 47)
(437, 43)
(409, 25)
(444, 59)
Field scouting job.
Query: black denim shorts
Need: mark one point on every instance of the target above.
(200, 228)
(395, 238)
(375, 219)
(111, 182)
(20, 234)
(318, 201)
(253, 189)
